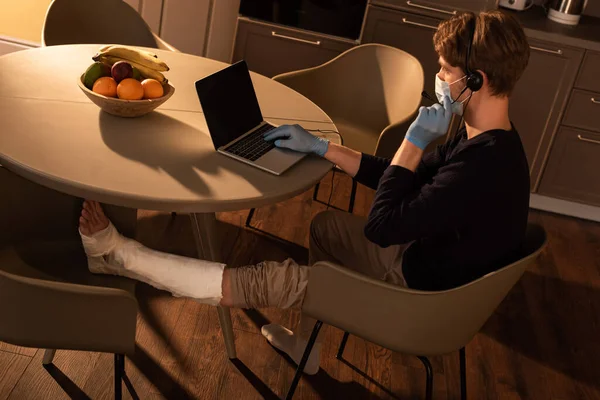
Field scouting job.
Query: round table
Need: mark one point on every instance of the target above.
(54, 135)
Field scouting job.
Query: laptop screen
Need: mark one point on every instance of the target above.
(229, 103)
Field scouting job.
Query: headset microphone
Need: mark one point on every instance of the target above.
(428, 97)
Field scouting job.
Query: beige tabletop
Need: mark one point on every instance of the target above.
(53, 135)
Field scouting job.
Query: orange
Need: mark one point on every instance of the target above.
(130, 89)
(105, 86)
(152, 89)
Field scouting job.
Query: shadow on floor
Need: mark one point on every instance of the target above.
(564, 338)
(71, 389)
(165, 384)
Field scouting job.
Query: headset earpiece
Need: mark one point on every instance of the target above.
(474, 81)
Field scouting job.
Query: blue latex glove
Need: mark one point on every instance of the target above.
(431, 123)
(294, 137)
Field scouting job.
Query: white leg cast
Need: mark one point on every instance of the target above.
(111, 253)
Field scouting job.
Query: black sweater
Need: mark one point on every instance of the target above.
(464, 208)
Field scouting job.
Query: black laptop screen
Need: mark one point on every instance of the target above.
(229, 103)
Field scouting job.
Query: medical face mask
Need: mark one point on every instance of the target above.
(442, 89)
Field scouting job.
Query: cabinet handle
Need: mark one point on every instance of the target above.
(595, 101)
(410, 3)
(295, 39)
(588, 140)
(559, 51)
(419, 24)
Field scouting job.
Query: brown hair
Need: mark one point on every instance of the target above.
(500, 48)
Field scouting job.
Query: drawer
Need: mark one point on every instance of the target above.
(271, 49)
(572, 169)
(589, 74)
(438, 8)
(583, 110)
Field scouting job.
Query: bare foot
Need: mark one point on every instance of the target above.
(92, 218)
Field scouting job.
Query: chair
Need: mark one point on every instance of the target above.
(48, 299)
(411, 321)
(98, 22)
(371, 92)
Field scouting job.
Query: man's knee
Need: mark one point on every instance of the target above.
(321, 225)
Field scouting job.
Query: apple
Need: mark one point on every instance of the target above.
(121, 70)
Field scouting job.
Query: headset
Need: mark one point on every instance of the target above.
(474, 78)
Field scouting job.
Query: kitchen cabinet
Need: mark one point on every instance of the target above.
(438, 7)
(184, 24)
(409, 32)
(540, 97)
(271, 49)
(572, 168)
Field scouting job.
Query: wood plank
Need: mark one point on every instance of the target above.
(12, 367)
(63, 380)
(25, 351)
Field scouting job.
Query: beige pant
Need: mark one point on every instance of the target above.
(334, 236)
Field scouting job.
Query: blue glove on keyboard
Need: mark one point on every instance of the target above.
(431, 123)
(294, 137)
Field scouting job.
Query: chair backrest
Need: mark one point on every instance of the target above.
(411, 321)
(29, 211)
(370, 85)
(95, 22)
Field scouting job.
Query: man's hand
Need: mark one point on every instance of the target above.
(294, 137)
(431, 123)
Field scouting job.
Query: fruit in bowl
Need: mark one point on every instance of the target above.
(126, 81)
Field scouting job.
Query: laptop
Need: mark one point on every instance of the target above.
(235, 121)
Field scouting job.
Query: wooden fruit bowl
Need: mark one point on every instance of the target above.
(126, 108)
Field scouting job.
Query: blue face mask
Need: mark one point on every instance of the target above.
(442, 89)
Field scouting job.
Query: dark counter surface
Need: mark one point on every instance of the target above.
(537, 26)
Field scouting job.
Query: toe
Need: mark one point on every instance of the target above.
(84, 226)
(100, 214)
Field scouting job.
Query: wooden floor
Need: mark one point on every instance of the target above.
(542, 343)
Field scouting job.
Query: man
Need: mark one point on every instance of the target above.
(463, 208)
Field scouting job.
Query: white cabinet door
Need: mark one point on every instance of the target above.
(151, 11)
(184, 24)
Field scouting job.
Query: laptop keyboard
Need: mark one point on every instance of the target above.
(253, 146)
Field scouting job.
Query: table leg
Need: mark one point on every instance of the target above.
(204, 226)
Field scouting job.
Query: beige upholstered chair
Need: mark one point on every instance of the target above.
(371, 92)
(93, 21)
(48, 298)
(410, 321)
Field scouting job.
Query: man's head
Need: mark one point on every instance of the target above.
(499, 52)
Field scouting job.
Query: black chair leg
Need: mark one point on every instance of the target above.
(299, 371)
(121, 377)
(340, 352)
(316, 192)
(249, 218)
(463, 374)
(429, 384)
(352, 196)
(119, 369)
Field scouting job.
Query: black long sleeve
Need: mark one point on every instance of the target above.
(400, 214)
(371, 169)
(464, 210)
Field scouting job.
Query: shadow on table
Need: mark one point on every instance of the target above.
(182, 150)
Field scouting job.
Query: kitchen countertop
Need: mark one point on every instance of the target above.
(537, 26)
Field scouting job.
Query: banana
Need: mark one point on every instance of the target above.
(145, 71)
(145, 58)
(105, 48)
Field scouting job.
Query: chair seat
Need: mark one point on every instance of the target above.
(57, 261)
(359, 138)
